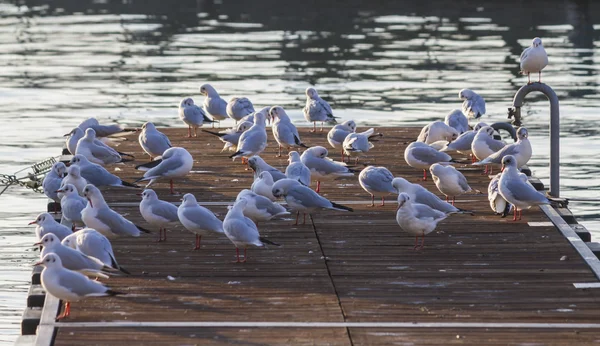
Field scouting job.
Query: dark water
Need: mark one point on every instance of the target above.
(392, 63)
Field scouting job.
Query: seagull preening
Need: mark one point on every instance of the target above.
(92, 243)
(230, 137)
(154, 142)
(254, 140)
(358, 144)
(53, 180)
(192, 115)
(213, 104)
(449, 181)
(521, 150)
(417, 219)
(376, 181)
(323, 168)
(338, 134)
(239, 107)
(285, 133)
(473, 105)
(176, 162)
(68, 285)
(317, 109)
(437, 131)
(534, 59)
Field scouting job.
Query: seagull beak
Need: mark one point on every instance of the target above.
(57, 191)
(138, 194)
(91, 205)
(34, 222)
(38, 243)
(37, 263)
(502, 170)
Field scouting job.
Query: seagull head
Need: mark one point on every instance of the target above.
(243, 126)
(402, 199)
(41, 219)
(267, 177)
(50, 260)
(149, 126)
(92, 194)
(293, 156)
(400, 184)
(479, 125)
(350, 124)
(465, 94)
(208, 90)
(311, 93)
(189, 200)
(74, 171)
(149, 194)
(509, 161)
(90, 135)
(186, 102)
(436, 169)
(59, 169)
(48, 241)
(536, 42)
(522, 133)
(317, 151)
(78, 159)
(67, 189)
(255, 161)
(276, 111)
(281, 186)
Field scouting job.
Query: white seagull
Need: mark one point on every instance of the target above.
(473, 105)
(176, 162)
(72, 205)
(417, 219)
(437, 131)
(422, 156)
(376, 181)
(260, 208)
(358, 144)
(339, 132)
(521, 150)
(254, 140)
(74, 178)
(259, 165)
(197, 219)
(213, 104)
(457, 120)
(153, 141)
(53, 179)
(45, 224)
(97, 175)
(534, 59)
(192, 115)
(100, 154)
(239, 107)
(484, 144)
(157, 213)
(323, 168)
(296, 169)
(231, 137)
(285, 133)
(449, 181)
(317, 109)
(421, 195)
(263, 185)
(92, 243)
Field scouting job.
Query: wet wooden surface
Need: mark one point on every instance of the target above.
(355, 267)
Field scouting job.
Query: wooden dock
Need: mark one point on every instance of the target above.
(353, 280)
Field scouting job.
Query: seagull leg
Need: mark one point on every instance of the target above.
(342, 154)
(297, 216)
(540, 76)
(66, 312)
(245, 255)
(314, 127)
(453, 198)
(195, 131)
(356, 161)
(372, 201)
(528, 78)
(424, 175)
(382, 201)
(279, 153)
(198, 238)
(237, 253)
(171, 184)
(159, 235)
(189, 131)
(416, 243)
(422, 241)
(515, 214)
(520, 213)
(318, 186)
(446, 199)
(304, 222)
(321, 126)
(491, 169)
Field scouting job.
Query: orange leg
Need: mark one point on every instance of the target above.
(318, 187)
(424, 175)
(198, 239)
(65, 313)
(382, 201)
(372, 201)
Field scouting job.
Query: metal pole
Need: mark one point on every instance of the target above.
(554, 129)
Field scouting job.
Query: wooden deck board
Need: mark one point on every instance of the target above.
(356, 267)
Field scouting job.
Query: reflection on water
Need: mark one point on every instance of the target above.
(393, 63)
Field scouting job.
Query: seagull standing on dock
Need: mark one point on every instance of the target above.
(231, 137)
(74, 178)
(317, 109)
(515, 191)
(68, 285)
(96, 174)
(473, 105)
(449, 181)
(99, 216)
(53, 180)
(463, 144)
(157, 213)
(92, 243)
(358, 144)
(213, 104)
(285, 133)
(239, 107)
(339, 132)
(45, 224)
(419, 194)
(422, 156)
(260, 208)
(242, 231)
(253, 141)
(154, 142)
(417, 219)
(437, 131)
(258, 165)
(263, 185)
(521, 150)
(534, 59)
(100, 154)
(376, 181)
(485, 145)
(197, 219)
(296, 169)
(457, 120)
(300, 198)
(176, 162)
(76, 134)
(192, 115)
(72, 205)
(101, 130)
(323, 168)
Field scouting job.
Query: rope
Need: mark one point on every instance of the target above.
(32, 180)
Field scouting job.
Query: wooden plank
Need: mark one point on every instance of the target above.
(46, 332)
(36, 296)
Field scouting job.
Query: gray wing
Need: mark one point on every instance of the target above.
(525, 53)
(79, 284)
(463, 142)
(325, 166)
(429, 155)
(165, 210)
(117, 223)
(425, 211)
(299, 171)
(193, 115)
(98, 175)
(478, 105)
(106, 130)
(252, 140)
(204, 217)
(241, 107)
(283, 134)
(157, 142)
(307, 197)
(263, 203)
(76, 260)
(105, 154)
(497, 157)
(338, 135)
(524, 192)
(424, 196)
(462, 181)
(242, 230)
(168, 164)
(379, 180)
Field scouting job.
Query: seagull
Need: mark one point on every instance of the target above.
(100, 154)
(417, 219)
(231, 136)
(376, 181)
(296, 169)
(534, 59)
(92, 243)
(68, 285)
(241, 230)
(258, 165)
(521, 150)
(101, 130)
(449, 181)
(46, 224)
(437, 131)
(419, 194)
(213, 104)
(157, 213)
(497, 202)
(463, 144)
(323, 168)
(76, 134)
(317, 109)
(176, 162)
(53, 179)
(339, 132)
(73, 259)
(72, 205)
(99, 216)
(264, 110)
(153, 141)
(285, 133)
(96, 174)
(254, 140)
(260, 208)
(420, 155)
(515, 191)
(197, 219)
(473, 105)
(485, 145)
(358, 144)
(263, 185)
(74, 178)
(239, 107)
(457, 120)
(302, 199)
(192, 115)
